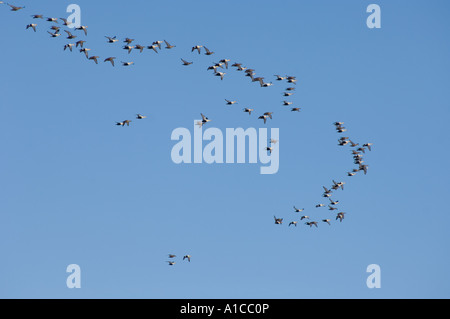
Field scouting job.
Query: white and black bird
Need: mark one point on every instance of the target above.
(248, 110)
(229, 102)
(203, 121)
(197, 47)
(32, 25)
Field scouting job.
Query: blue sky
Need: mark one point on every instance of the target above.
(76, 189)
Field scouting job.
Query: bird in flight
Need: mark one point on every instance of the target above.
(293, 223)
(168, 45)
(112, 39)
(310, 224)
(158, 44)
(128, 47)
(203, 121)
(65, 21)
(95, 57)
(54, 35)
(368, 145)
(266, 84)
(333, 202)
(140, 116)
(263, 117)
(55, 28)
(297, 210)
(278, 221)
(85, 50)
(82, 27)
(127, 122)
(186, 62)
(70, 35)
(110, 59)
(80, 43)
(340, 216)
(225, 61)
(230, 102)
(208, 52)
(188, 257)
(249, 111)
(221, 74)
(279, 77)
(197, 47)
(269, 114)
(32, 25)
(14, 8)
(139, 47)
(68, 46)
(153, 47)
(326, 221)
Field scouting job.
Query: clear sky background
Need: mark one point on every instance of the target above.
(76, 189)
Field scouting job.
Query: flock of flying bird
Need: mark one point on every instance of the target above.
(357, 159)
(171, 262)
(219, 71)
